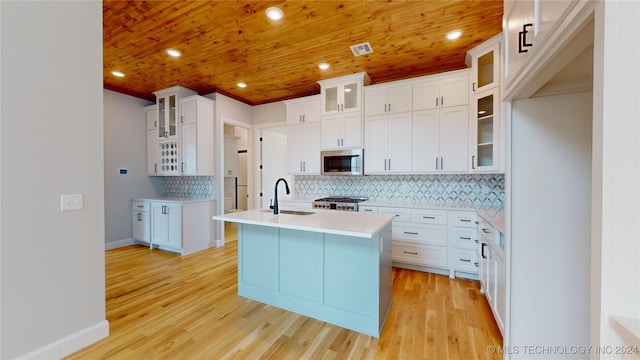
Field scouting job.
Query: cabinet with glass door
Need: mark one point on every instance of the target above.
(485, 132)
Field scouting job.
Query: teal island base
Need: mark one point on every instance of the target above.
(343, 280)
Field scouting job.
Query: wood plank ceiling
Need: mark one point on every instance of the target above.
(226, 42)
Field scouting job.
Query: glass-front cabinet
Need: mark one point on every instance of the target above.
(485, 132)
(167, 126)
(485, 65)
(343, 94)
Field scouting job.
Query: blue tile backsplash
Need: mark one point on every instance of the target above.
(459, 189)
(201, 187)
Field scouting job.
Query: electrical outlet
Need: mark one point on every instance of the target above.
(70, 202)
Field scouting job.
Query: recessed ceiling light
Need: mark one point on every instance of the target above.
(323, 66)
(454, 34)
(117, 73)
(174, 52)
(274, 13)
(241, 85)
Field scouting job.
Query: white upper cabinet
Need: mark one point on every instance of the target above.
(519, 21)
(529, 24)
(441, 140)
(303, 141)
(341, 109)
(485, 132)
(303, 155)
(303, 110)
(196, 125)
(341, 131)
(152, 139)
(486, 128)
(186, 148)
(387, 144)
(168, 106)
(380, 100)
(343, 94)
(447, 91)
(485, 65)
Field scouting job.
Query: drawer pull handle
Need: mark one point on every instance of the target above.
(465, 238)
(368, 210)
(465, 260)
(140, 206)
(477, 241)
(429, 217)
(476, 264)
(482, 251)
(486, 231)
(397, 215)
(465, 220)
(410, 233)
(409, 252)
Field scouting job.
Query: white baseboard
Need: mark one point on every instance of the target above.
(72, 343)
(218, 243)
(118, 244)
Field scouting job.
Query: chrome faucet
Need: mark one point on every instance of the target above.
(275, 194)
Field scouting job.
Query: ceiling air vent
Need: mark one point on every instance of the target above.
(361, 49)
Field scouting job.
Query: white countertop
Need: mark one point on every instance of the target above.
(494, 216)
(326, 221)
(173, 199)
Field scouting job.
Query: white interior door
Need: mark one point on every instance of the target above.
(272, 166)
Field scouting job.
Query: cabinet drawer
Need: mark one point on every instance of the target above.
(463, 219)
(402, 214)
(367, 209)
(138, 205)
(435, 217)
(464, 238)
(421, 234)
(464, 260)
(423, 255)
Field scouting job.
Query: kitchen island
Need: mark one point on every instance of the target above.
(334, 266)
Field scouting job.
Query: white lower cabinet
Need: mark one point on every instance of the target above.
(166, 225)
(418, 254)
(493, 271)
(178, 226)
(419, 236)
(141, 221)
(441, 241)
(463, 241)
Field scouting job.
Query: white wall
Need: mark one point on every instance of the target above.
(550, 222)
(125, 147)
(616, 246)
(51, 121)
(269, 114)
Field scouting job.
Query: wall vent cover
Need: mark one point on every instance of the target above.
(361, 49)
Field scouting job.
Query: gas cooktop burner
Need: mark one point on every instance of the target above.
(338, 203)
(342, 199)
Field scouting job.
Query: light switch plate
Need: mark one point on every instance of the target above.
(70, 202)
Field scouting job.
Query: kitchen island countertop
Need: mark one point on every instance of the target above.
(326, 221)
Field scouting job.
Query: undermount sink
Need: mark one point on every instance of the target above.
(292, 212)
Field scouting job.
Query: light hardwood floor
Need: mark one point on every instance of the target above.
(164, 306)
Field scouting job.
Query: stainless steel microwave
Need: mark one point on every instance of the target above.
(342, 162)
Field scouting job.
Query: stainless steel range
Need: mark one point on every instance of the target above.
(343, 203)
